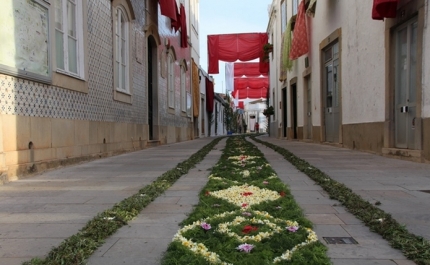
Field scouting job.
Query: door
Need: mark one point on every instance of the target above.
(202, 115)
(331, 93)
(150, 89)
(284, 112)
(405, 85)
(294, 111)
(308, 108)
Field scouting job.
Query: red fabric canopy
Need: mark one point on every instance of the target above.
(169, 9)
(384, 9)
(209, 96)
(251, 93)
(251, 83)
(249, 69)
(233, 47)
(184, 39)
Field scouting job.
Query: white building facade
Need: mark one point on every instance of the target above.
(362, 85)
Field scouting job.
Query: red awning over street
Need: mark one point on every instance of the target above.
(233, 47)
(251, 93)
(251, 83)
(248, 69)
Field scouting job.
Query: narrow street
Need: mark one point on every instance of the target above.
(40, 212)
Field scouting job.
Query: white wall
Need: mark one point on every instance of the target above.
(193, 27)
(275, 37)
(362, 59)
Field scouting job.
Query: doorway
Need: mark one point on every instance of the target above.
(284, 112)
(331, 93)
(152, 65)
(308, 105)
(294, 125)
(406, 85)
(202, 117)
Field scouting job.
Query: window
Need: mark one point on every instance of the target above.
(283, 16)
(170, 80)
(295, 6)
(183, 92)
(195, 16)
(25, 39)
(121, 50)
(69, 37)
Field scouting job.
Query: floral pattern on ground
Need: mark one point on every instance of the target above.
(263, 218)
(240, 195)
(246, 215)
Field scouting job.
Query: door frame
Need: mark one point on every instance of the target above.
(335, 36)
(152, 51)
(307, 76)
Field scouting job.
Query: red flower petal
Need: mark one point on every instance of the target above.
(249, 228)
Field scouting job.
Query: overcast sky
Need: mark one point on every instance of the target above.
(225, 17)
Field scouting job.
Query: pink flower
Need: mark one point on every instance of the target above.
(245, 247)
(292, 228)
(265, 182)
(246, 214)
(205, 226)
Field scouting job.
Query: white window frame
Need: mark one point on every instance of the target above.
(121, 41)
(171, 80)
(183, 90)
(80, 73)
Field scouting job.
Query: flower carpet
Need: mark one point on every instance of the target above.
(246, 215)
